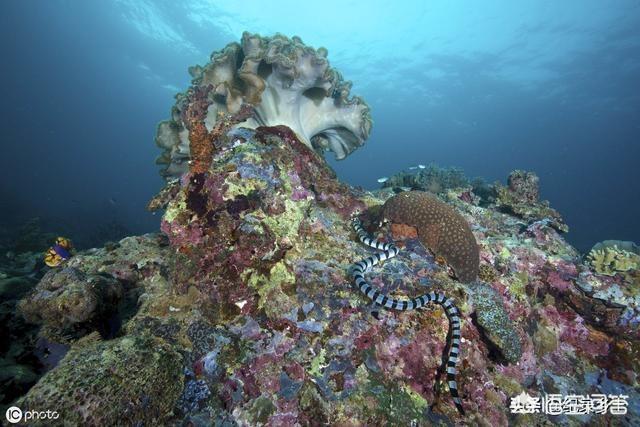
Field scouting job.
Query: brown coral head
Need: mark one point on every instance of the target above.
(440, 228)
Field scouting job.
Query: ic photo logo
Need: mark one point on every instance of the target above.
(15, 415)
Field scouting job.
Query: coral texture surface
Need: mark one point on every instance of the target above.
(440, 228)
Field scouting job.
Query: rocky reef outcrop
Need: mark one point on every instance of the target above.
(430, 178)
(521, 197)
(242, 311)
(69, 298)
(286, 82)
(124, 381)
(248, 316)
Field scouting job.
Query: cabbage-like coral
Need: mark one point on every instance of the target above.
(609, 259)
(440, 228)
(286, 81)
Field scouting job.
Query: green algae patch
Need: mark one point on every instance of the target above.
(510, 386)
(417, 401)
(130, 380)
(397, 403)
(275, 302)
(286, 224)
(545, 340)
(241, 187)
(387, 400)
(174, 209)
(261, 410)
(505, 254)
(518, 285)
(318, 363)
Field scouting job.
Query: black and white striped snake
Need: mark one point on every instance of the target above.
(389, 250)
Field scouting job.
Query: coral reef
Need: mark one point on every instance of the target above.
(241, 311)
(248, 310)
(287, 82)
(388, 251)
(263, 194)
(521, 197)
(432, 179)
(440, 228)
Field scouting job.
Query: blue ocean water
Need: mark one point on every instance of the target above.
(490, 86)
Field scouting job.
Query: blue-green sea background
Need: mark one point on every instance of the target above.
(491, 86)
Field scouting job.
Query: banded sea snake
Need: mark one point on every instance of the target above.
(389, 250)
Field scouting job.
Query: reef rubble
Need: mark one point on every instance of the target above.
(246, 314)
